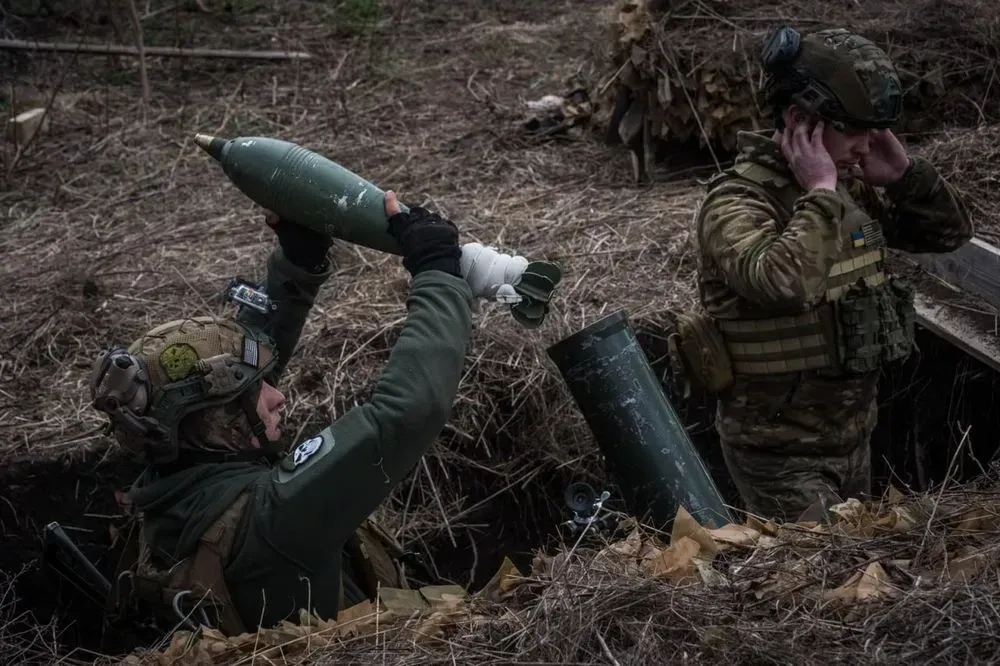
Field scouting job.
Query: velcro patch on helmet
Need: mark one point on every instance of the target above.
(178, 360)
(251, 352)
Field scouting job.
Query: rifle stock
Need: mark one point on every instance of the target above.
(63, 556)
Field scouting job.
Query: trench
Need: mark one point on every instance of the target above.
(923, 403)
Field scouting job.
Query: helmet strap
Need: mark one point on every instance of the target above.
(268, 449)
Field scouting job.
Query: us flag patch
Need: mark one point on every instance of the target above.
(251, 352)
(872, 234)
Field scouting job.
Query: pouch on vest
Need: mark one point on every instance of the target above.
(375, 557)
(191, 592)
(874, 325)
(698, 352)
(899, 319)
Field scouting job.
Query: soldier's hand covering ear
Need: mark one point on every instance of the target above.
(302, 246)
(429, 241)
(808, 157)
(886, 161)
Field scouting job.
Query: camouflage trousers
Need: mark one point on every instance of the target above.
(789, 445)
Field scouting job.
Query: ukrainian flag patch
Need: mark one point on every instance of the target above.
(858, 237)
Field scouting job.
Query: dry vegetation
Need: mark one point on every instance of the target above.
(693, 63)
(901, 580)
(114, 221)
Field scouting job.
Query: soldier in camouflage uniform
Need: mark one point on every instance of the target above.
(792, 278)
(232, 531)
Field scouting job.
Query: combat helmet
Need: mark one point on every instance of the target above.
(836, 74)
(175, 370)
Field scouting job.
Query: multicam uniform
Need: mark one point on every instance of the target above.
(798, 314)
(795, 283)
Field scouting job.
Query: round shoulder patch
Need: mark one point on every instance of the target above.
(306, 449)
(178, 360)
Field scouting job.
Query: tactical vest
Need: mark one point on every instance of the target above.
(194, 591)
(864, 319)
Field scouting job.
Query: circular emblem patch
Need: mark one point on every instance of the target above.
(305, 450)
(178, 360)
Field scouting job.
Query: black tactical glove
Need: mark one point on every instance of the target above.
(429, 242)
(302, 246)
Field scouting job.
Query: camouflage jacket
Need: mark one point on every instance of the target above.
(767, 251)
(755, 261)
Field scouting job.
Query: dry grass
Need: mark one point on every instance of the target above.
(904, 579)
(114, 221)
(115, 224)
(23, 639)
(692, 68)
(967, 157)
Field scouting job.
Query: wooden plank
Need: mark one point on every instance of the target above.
(169, 51)
(961, 328)
(975, 267)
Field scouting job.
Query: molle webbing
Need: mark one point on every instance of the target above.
(796, 343)
(845, 273)
(780, 344)
(807, 341)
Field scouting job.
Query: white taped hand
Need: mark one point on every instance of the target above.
(491, 274)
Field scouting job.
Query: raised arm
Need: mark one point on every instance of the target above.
(296, 270)
(919, 212)
(329, 483)
(739, 232)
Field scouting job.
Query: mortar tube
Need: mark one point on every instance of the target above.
(647, 449)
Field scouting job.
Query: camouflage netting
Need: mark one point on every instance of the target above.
(689, 70)
(906, 578)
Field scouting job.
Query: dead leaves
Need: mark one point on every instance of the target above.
(855, 557)
(706, 89)
(871, 584)
(811, 560)
(208, 647)
(427, 614)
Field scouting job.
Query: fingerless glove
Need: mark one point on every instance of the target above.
(429, 242)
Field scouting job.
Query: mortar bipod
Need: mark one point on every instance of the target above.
(586, 505)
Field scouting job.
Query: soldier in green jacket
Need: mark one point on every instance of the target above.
(792, 279)
(230, 527)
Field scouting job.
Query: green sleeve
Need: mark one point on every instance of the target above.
(319, 494)
(921, 212)
(771, 266)
(294, 291)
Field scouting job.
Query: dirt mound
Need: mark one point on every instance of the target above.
(904, 577)
(691, 69)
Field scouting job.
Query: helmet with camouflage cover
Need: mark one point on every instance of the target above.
(836, 74)
(182, 374)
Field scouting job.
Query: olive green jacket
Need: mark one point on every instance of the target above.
(287, 552)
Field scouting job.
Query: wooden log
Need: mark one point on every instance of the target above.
(961, 328)
(168, 51)
(974, 267)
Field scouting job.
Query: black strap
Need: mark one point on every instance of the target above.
(269, 452)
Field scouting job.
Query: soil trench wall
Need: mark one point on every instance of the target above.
(922, 404)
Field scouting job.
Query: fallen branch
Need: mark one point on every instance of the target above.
(168, 51)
